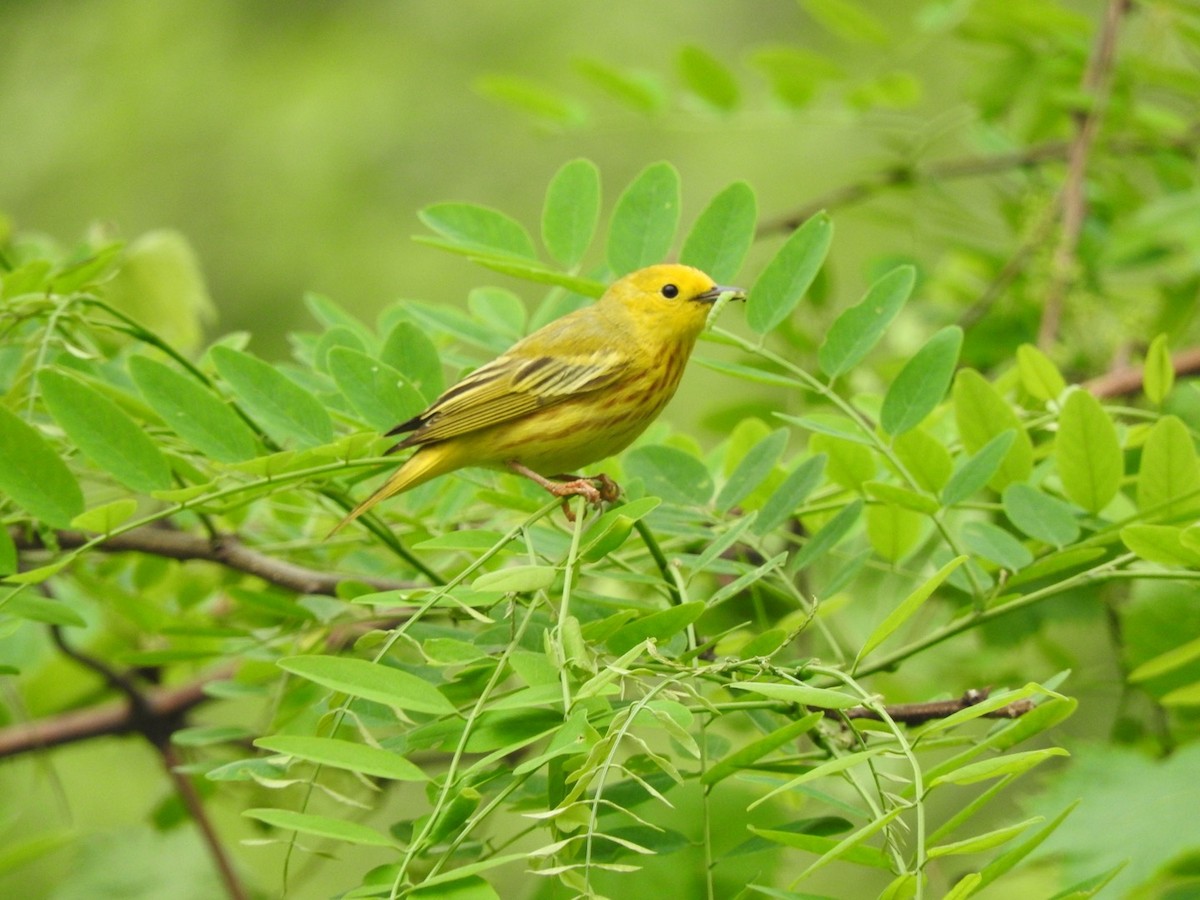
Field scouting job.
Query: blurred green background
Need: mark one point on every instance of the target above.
(293, 143)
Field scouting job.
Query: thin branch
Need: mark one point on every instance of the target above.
(971, 166)
(1096, 81)
(1129, 379)
(163, 705)
(917, 713)
(225, 550)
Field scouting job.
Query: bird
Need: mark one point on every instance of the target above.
(576, 391)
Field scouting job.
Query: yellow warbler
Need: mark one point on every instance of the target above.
(573, 392)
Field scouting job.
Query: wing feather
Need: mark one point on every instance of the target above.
(529, 377)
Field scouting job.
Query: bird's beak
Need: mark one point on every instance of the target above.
(711, 295)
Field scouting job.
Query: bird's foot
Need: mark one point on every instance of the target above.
(595, 490)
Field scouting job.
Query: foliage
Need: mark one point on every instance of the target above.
(740, 679)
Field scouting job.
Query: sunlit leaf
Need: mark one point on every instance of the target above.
(321, 826)
(571, 211)
(982, 414)
(708, 78)
(1088, 453)
(1158, 374)
(859, 328)
(342, 754)
(105, 432)
(1039, 515)
(644, 220)
(287, 411)
(371, 681)
(723, 233)
(378, 393)
(789, 274)
(921, 384)
(32, 474)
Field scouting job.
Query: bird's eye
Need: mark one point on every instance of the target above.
(669, 291)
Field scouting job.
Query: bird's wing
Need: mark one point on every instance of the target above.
(532, 375)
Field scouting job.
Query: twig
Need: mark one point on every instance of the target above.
(157, 729)
(163, 705)
(973, 166)
(916, 713)
(1096, 80)
(1129, 379)
(226, 550)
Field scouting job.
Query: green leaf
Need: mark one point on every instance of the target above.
(321, 826)
(925, 458)
(516, 579)
(708, 78)
(748, 754)
(893, 530)
(846, 20)
(907, 607)
(1188, 695)
(35, 608)
(922, 383)
(1161, 544)
(1158, 374)
(828, 537)
(902, 497)
(103, 519)
(1039, 376)
(795, 74)
(341, 754)
(1173, 659)
(722, 235)
(546, 106)
(860, 327)
(571, 211)
(981, 842)
(466, 886)
(539, 274)
(997, 545)
(671, 474)
(370, 681)
(789, 274)
(499, 309)
(640, 91)
(104, 432)
(1011, 764)
(33, 476)
(851, 463)
(479, 227)
(1087, 452)
(644, 220)
(755, 466)
(378, 393)
(659, 626)
(409, 351)
(1039, 515)
(1008, 860)
(8, 553)
(193, 411)
(1168, 481)
(284, 409)
(981, 414)
(800, 694)
(811, 843)
(979, 469)
(787, 498)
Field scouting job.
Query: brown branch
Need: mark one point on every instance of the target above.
(917, 713)
(165, 705)
(1129, 379)
(225, 550)
(1096, 82)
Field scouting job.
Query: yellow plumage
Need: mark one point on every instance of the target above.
(575, 391)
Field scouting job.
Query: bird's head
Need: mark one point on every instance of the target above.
(672, 300)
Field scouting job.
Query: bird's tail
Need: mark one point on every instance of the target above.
(426, 463)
